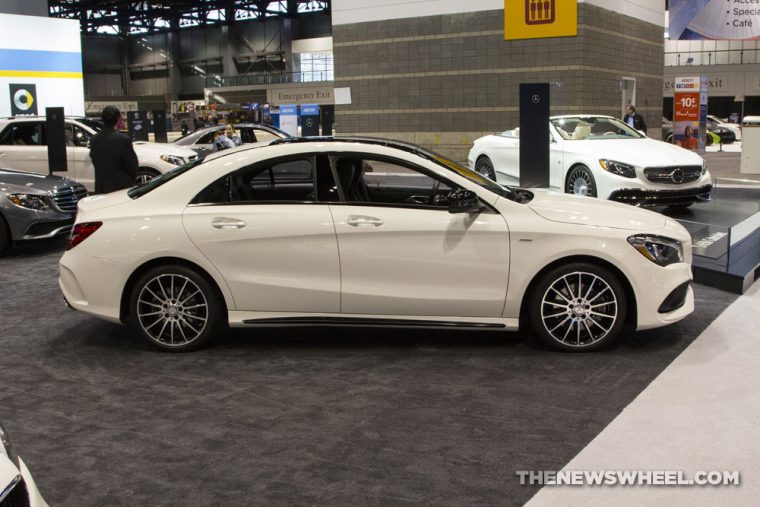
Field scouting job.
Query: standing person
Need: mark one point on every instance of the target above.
(635, 120)
(113, 155)
(184, 128)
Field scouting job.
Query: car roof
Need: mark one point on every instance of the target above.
(559, 117)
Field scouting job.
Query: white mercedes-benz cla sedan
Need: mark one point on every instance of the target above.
(362, 231)
(601, 156)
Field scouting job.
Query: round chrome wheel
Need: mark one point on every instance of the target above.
(581, 182)
(176, 307)
(578, 307)
(144, 176)
(172, 310)
(484, 166)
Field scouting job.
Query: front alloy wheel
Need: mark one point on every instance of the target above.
(581, 182)
(175, 309)
(144, 176)
(578, 307)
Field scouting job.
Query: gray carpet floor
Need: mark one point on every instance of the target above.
(329, 416)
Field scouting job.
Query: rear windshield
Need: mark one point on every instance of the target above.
(159, 180)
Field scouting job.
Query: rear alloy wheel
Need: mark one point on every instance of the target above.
(484, 166)
(145, 175)
(581, 182)
(175, 309)
(578, 307)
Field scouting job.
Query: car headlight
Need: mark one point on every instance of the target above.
(619, 168)
(173, 159)
(658, 249)
(31, 201)
(7, 447)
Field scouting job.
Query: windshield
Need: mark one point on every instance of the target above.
(159, 180)
(95, 125)
(579, 128)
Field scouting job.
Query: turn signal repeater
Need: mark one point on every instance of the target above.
(81, 232)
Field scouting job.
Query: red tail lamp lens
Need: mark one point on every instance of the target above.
(81, 232)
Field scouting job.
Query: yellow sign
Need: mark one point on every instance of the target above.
(537, 19)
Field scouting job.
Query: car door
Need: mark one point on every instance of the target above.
(403, 253)
(80, 163)
(269, 232)
(22, 147)
(505, 153)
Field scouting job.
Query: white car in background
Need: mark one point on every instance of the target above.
(600, 156)
(17, 486)
(714, 121)
(23, 146)
(368, 232)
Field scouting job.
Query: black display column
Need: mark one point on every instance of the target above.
(159, 126)
(137, 123)
(56, 139)
(534, 135)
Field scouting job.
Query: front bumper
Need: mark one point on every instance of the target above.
(643, 197)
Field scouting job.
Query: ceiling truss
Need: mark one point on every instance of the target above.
(125, 17)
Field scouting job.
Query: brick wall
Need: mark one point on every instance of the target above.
(443, 81)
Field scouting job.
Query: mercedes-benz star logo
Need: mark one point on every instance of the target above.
(677, 176)
(535, 99)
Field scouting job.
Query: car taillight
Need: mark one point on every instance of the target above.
(81, 232)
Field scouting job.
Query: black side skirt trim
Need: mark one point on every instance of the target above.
(361, 321)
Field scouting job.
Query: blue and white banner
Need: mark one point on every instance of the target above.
(714, 19)
(40, 65)
(289, 119)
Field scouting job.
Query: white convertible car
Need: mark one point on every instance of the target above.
(358, 232)
(600, 156)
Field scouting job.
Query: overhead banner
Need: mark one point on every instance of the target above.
(705, 19)
(690, 112)
(40, 65)
(537, 19)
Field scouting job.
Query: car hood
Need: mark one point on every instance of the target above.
(17, 181)
(143, 148)
(639, 152)
(570, 209)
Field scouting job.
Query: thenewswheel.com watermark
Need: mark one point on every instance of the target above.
(627, 478)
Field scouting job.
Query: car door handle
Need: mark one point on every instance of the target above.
(363, 221)
(227, 223)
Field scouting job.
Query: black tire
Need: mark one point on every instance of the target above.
(5, 236)
(189, 309)
(144, 175)
(560, 308)
(580, 181)
(484, 167)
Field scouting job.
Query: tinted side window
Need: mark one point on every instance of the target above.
(299, 179)
(387, 181)
(207, 138)
(23, 133)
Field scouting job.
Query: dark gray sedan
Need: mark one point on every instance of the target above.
(34, 207)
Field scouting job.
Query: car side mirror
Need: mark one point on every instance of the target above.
(464, 201)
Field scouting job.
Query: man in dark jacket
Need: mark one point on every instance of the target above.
(112, 155)
(635, 120)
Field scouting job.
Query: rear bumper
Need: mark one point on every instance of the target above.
(681, 197)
